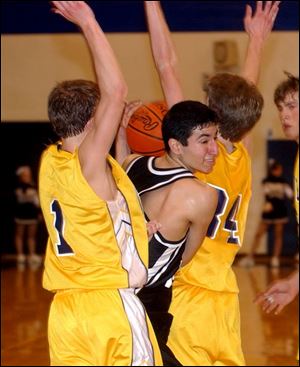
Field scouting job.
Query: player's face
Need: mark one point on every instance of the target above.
(26, 176)
(289, 115)
(202, 149)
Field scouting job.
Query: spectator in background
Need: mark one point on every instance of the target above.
(26, 216)
(276, 191)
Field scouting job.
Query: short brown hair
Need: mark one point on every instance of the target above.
(290, 85)
(237, 103)
(71, 104)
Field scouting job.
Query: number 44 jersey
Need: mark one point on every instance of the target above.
(210, 268)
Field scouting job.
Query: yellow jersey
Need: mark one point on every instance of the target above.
(210, 267)
(296, 186)
(82, 250)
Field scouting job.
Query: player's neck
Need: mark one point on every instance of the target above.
(175, 161)
(71, 143)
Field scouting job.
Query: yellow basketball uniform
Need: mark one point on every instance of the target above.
(296, 199)
(95, 317)
(296, 186)
(206, 325)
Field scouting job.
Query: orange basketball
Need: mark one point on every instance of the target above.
(144, 129)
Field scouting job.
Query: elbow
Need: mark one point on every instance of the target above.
(116, 92)
(120, 90)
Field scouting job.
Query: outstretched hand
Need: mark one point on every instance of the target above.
(129, 110)
(122, 149)
(279, 294)
(77, 12)
(260, 23)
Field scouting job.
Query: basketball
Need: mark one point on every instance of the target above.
(144, 129)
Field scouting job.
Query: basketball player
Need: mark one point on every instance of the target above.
(97, 250)
(206, 325)
(175, 198)
(286, 98)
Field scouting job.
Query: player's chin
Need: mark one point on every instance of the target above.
(290, 133)
(209, 165)
(207, 168)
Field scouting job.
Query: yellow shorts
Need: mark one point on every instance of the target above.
(100, 328)
(206, 327)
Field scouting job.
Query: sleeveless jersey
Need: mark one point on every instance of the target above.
(210, 267)
(123, 230)
(164, 255)
(82, 250)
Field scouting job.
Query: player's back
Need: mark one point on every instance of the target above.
(163, 192)
(83, 251)
(211, 266)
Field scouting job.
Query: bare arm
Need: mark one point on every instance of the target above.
(164, 54)
(279, 294)
(258, 27)
(201, 212)
(94, 149)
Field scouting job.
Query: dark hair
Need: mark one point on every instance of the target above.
(290, 85)
(71, 104)
(183, 118)
(237, 103)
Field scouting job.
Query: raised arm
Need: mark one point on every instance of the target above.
(164, 54)
(258, 27)
(113, 89)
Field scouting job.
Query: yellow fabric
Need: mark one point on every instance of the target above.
(90, 328)
(94, 258)
(83, 265)
(206, 326)
(211, 266)
(296, 186)
(296, 199)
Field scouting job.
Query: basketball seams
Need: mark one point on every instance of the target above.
(154, 112)
(149, 153)
(144, 130)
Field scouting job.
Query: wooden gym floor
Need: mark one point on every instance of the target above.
(268, 340)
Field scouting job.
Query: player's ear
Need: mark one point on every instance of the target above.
(175, 146)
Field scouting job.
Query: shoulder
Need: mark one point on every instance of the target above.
(206, 193)
(197, 195)
(130, 159)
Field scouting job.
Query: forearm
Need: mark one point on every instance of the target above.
(164, 53)
(112, 86)
(258, 27)
(122, 150)
(252, 63)
(109, 76)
